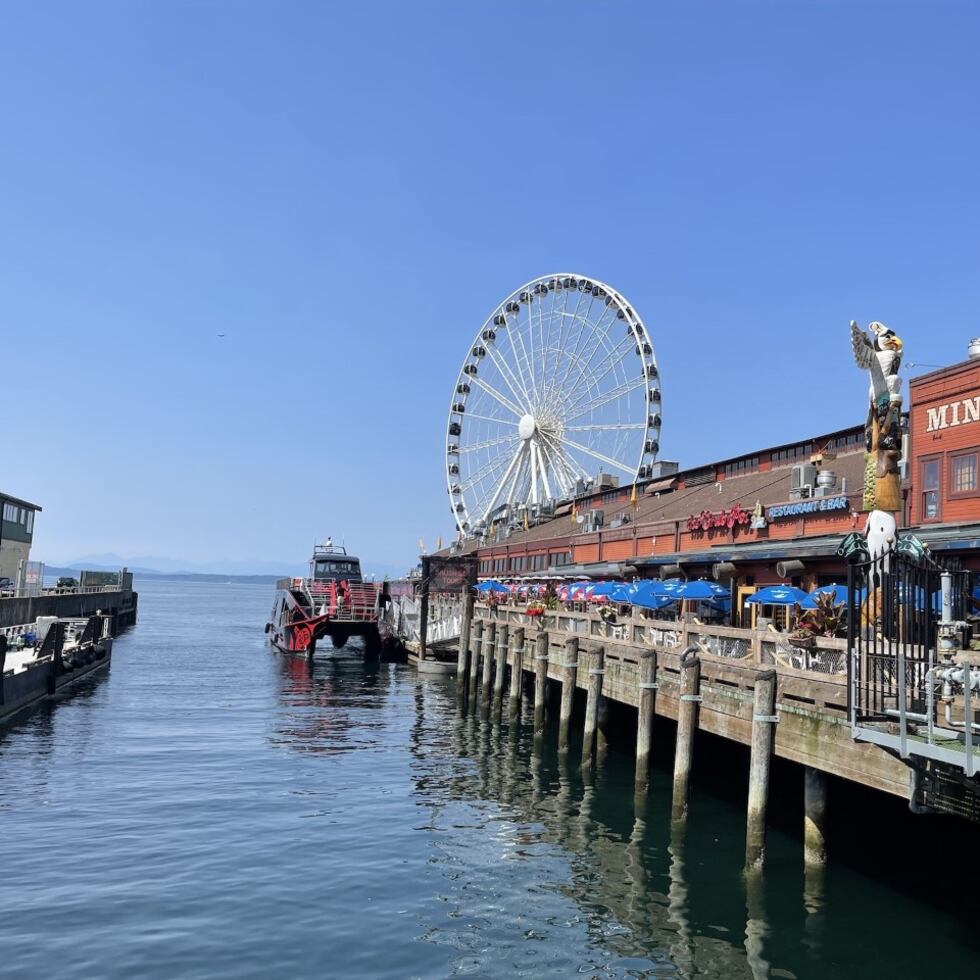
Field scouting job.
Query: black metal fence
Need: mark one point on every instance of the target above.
(894, 605)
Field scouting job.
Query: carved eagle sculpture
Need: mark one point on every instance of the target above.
(881, 357)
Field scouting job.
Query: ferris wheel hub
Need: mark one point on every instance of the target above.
(526, 427)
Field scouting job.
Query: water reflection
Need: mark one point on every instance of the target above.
(545, 867)
(326, 704)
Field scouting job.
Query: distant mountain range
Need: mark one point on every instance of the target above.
(214, 570)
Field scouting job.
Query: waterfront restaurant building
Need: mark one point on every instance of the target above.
(776, 515)
(16, 533)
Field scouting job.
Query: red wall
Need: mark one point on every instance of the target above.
(950, 427)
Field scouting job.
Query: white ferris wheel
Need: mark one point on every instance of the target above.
(560, 383)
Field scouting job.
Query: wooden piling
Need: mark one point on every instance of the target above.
(596, 670)
(463, 657)
(489, 639)
(516, 671)
(687, 725)
(644, 717)
(503, 638)
(815, 817)
(477, 637)
(763, 730)
(569, 672)
(540, 679)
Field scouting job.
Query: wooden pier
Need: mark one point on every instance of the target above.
(737, 684)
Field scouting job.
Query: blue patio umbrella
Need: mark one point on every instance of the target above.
(701, 589)
(667, 586)
(655, 602)
(622, 593)
(778, 595)
(839, 592)
(605, 589)
(491, 586)
(645, 595)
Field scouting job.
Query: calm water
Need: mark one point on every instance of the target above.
(212, 809)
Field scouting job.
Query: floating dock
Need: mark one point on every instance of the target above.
(44, 659)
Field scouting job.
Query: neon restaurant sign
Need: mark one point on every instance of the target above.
(812, 506)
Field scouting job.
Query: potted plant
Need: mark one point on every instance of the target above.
(826, 619)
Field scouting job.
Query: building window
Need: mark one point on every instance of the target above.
(9, 512)
(963, 474)
(30, 522)
(792, 454)
(742, 466)
(930, 489)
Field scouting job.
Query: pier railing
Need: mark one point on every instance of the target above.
(761, 648)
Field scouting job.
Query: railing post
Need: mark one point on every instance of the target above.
(644, 717)
(3, 657)
(569, 672)
(687, 725)
(597, 664)
(763, 729)
(516, 671)
(541, 643)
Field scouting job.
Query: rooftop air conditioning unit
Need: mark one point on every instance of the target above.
(802, 479)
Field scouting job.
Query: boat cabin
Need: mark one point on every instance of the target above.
(331, 563)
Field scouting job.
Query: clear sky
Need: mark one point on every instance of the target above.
(345, 191)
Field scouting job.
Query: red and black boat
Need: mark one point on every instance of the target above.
(333, 601)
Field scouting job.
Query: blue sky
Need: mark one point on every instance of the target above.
(346, 191)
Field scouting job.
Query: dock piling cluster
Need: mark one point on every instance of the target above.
(490, 647)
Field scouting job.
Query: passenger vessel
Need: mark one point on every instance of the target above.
(332, 601)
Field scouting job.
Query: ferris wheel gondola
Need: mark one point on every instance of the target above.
(560, 381)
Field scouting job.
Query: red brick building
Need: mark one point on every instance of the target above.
(775, 515)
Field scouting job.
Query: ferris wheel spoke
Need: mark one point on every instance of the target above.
(543, 460)
(600, 456)
(493, 393)
(586, 327)
(532, 452)
(518, 473)
(560, 317)
(489, 418)
(488, 443)
(516, 389)
(603, 428)
(567, 463)
(580, 408)
(581, 323)
(500, 486)
(488, 469)
(529, 383)
(606, 344)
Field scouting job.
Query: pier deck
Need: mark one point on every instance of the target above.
(811, 705)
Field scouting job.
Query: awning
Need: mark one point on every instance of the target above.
(657, 485)
(563, 510)
(598, 568)
(822, 547)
